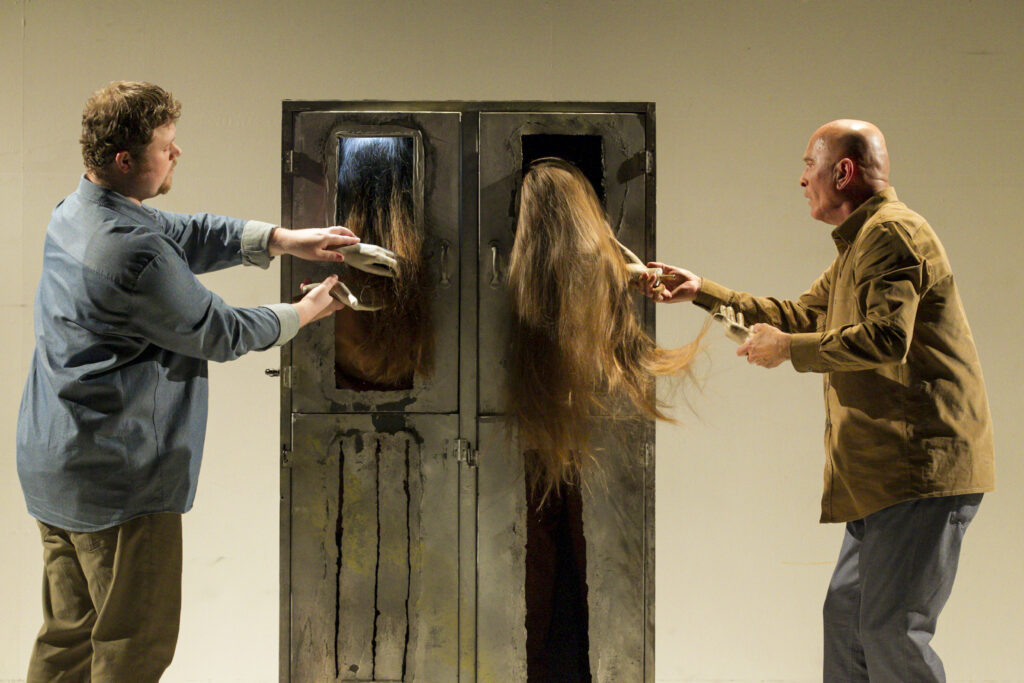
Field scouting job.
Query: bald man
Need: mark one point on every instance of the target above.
(908, 433)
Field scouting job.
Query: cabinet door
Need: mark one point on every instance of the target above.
(618, 532)
(323, 382)
(501, 558)
(618, 495)
(611, 151)
(373, 548)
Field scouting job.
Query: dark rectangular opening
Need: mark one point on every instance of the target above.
(381, 350)
(586, 152)
(371, 172)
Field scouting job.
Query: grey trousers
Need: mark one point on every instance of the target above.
(111, 602)
(894, 574)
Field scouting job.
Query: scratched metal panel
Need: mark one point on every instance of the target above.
(374, 548)
(395, 463)
(359, 557)
(436, 192)
(615, 523)
(501, 160)
(314, 552)
(501, 558)
(434, 592)
(618, 528)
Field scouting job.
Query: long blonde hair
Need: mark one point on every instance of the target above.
(577, 347)
(375, 201)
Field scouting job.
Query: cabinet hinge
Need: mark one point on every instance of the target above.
(286, 456)
(288, 161)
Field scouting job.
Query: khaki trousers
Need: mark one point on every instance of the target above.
(111, 602)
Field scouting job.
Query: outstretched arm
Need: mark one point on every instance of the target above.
(311, 244)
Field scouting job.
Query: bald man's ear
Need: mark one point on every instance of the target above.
(844, 172)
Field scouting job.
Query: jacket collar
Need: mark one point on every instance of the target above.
(846, 232)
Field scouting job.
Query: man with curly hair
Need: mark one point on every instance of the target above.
(113, 415)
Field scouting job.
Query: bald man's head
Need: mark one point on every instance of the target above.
(862, 142)
(845, 163)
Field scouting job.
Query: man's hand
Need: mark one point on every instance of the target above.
(318, 302)
(767, 346)
(311, 244)
(680, 285)
(343, 294)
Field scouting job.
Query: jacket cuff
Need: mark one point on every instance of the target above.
(804, 352)
(711, 295)
(255, 238)
(289, 319)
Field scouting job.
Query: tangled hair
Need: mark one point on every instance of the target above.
(577, 347)
(121, 117)
(375, 201)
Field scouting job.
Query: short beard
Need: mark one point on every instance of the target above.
(165, 186)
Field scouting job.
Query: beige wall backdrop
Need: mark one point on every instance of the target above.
(742, 563)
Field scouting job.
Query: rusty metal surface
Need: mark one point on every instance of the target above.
(400, 563)
(436, 192)
(501, 569)
(613, 524)
(622, 139)
(615, 502)
(374, 549)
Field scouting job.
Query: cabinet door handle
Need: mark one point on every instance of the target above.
(495, 265)
(446, 279)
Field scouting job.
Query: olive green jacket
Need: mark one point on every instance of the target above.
(906, 412)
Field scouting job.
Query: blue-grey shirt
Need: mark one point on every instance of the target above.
(113, 415)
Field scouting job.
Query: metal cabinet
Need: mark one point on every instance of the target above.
(406, 548)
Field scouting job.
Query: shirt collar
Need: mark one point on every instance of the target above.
(845, 233)
(104, 196)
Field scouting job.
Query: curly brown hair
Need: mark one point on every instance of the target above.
(121, 117)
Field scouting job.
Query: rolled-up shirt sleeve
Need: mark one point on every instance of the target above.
(255, 241)
(173, 310)
(288, 318)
